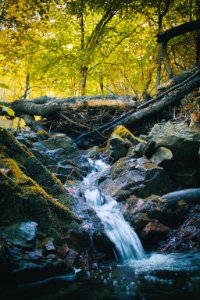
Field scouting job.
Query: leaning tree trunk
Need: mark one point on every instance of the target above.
(129, 119)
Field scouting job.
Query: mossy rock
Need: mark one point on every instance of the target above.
(10, 147)
(42, 135)
(120, 141)
(22, 199)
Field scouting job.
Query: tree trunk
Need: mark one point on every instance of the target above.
(198, 47)
(159, 64)
(97, 136)
(165, 36)
(166, 60)
(47, 106)
(84, 70)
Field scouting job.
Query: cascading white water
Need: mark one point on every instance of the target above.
(124, 238)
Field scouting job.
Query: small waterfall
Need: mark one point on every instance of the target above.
(124, 238)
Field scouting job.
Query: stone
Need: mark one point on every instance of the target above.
(120, 141)
(187, 177)
(70, 259)
(61, 141)
(43, 177)
(56, 154)
(21, 198)
(184, 145)
(153, 233)
(44, 158)
(35, 255)
(161, 156)
(49, 246)
(39, 146)
(138, 176)
(179, 138)
(21, 234)
(62, 251)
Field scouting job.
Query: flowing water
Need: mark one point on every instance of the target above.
(127, 244)
(136, 275)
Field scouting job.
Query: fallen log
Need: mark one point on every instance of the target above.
(191, 196)
(47, 106)
(172, 85)
(88, 139)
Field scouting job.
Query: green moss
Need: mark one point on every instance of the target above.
(71, 182)
(13, 170)
(124, 134)
(42, 135)
(42, 132)
(21, 198)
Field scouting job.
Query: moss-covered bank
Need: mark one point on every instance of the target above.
(21, 197)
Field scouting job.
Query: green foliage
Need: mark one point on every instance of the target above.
(92, 46)
(9, 111)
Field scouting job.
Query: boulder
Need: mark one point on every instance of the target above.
(32, 167)
(186, 237)
(22, 199)
(179, 138)
(61, 141)
(175, 146)
(162, 156)
(137, 176)
(153, 233)
(120, 141)
(21, 234)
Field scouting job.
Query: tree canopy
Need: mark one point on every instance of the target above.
(77, 47)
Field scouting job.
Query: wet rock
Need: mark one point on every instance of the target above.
(39, 146)
(61, 141)
(153, 232)
(139, 176)
(62, 251)
(70, 259)
(31, 166)
(186, 237)
(179, 138)
(25, 271)
(56, 154)
(162, 156)
(36, 255)
(138, 221)
(24, 141)
(42, 135)
(43, 157)
(21, 234)
(43, 177)
(48, 245)
(67, 170)
(21, 198)
(170, 214)
(93, 152)
(136, 151)
(187, 177)
(184, 145)
(29, 136)
(120, 141)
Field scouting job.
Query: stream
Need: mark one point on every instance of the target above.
(128, 247)
(135, 274)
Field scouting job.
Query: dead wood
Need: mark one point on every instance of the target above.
(165, 36)
(97, 136)
(191, 196)
(47, 106)
(176, 83)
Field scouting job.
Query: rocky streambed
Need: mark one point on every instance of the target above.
(51, 238)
